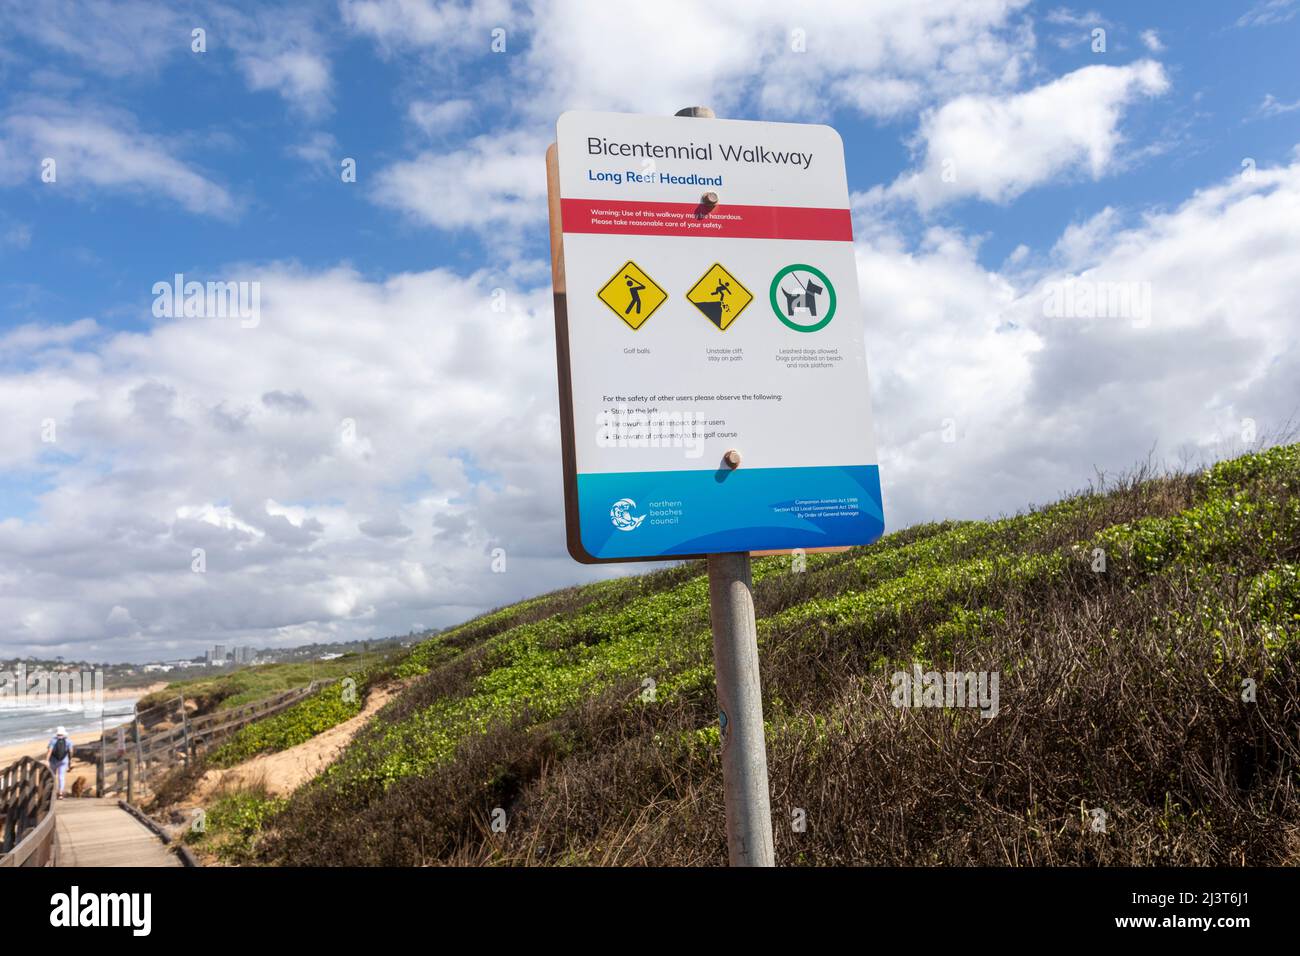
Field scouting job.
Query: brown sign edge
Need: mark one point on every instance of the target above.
(564, 378)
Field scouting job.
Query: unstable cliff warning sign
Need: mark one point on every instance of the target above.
(694, 419)
(719, 296)
(632, 294)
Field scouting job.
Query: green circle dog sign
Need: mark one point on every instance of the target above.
(803, 298)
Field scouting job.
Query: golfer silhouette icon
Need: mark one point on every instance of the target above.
(634, 288)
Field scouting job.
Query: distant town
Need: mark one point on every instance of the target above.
(216, 656)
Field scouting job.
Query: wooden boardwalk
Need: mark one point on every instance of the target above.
(97, 832)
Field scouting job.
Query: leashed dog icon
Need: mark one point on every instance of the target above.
(805, 301)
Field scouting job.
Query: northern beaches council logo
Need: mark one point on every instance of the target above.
(621, 515)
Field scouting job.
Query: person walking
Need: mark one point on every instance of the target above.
(59, 756)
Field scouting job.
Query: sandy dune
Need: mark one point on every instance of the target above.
(284, 772)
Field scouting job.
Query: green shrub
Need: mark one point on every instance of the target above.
(233, 823)
(328, 707)
(1120, 689)
(1275, 603)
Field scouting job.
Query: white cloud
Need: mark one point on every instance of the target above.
(281, 49)
(198, 433)
(492, 181)
(1064, 16)
(878, 58)
(114, 38)
(1268, 12)
(1272, 106)
(301, 76)
(320, 150)
(1082, 244)
(282, 52)
(26, 339)
(94, 146)
(754, 56)
(996, 148)
(1074, 29)
(1151, 40)
(464, 24)
(436, 117)
(1038, 401)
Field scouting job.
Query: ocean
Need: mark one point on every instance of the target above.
(22, 724)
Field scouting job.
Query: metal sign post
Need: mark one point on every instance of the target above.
(740, 711)
(740, 691)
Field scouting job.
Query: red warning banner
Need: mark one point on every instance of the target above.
(688, 219)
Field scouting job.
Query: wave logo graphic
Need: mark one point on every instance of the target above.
(621, 515)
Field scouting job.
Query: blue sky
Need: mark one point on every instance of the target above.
(297, 209)
(378, 294)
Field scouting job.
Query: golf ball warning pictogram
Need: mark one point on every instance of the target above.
(632, 295)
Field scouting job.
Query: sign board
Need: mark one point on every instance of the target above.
(707, 301)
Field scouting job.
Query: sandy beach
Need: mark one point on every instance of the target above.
(36, 748)
(123, 693)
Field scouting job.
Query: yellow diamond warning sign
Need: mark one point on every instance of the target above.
(632, 295)
(720, 296)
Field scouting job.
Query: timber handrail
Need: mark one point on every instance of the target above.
(144, 756)
(27, 833)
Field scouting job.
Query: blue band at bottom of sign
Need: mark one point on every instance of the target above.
(662, 513)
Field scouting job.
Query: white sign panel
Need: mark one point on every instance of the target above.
(689, 328)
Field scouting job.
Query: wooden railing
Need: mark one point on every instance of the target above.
(134, 757)
(27, 832)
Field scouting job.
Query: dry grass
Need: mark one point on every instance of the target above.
(1120, 694)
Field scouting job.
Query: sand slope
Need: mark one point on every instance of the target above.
(284, 772)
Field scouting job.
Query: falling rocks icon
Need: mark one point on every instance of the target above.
(713, 310)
